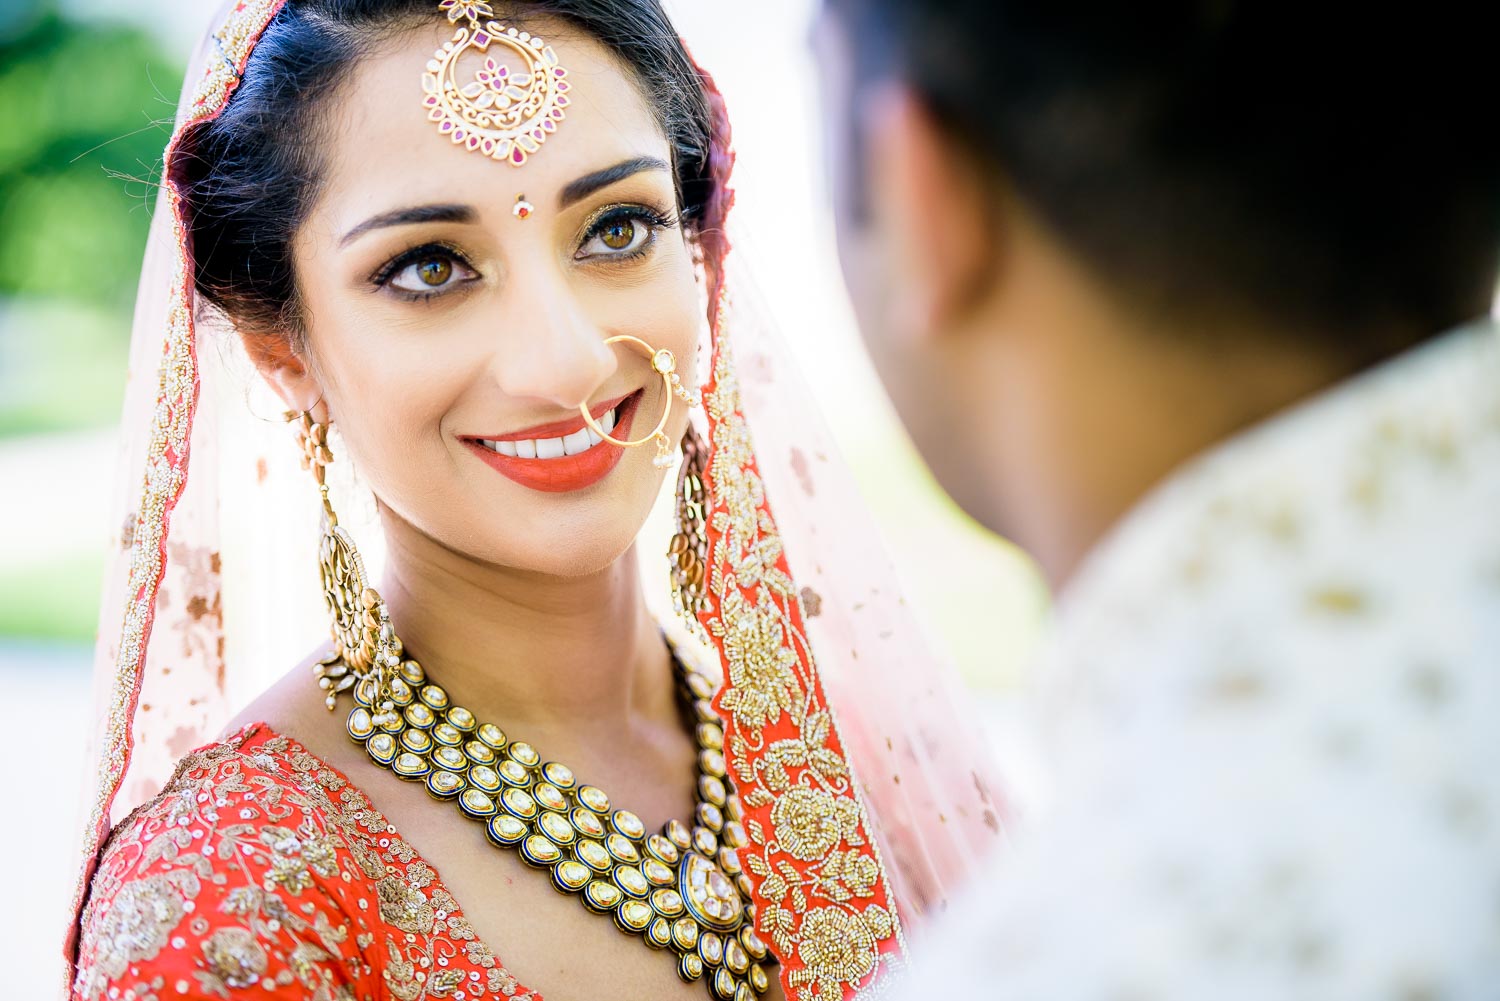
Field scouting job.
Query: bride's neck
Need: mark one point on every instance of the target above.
(531, 652)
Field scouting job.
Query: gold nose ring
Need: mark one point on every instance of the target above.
(664, 364)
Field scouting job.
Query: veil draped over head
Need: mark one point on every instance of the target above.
(866, 790)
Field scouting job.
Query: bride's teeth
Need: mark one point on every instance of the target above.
(576, 442)
(555, 448)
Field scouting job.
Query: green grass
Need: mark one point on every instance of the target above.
(62, 366)
(55, 600)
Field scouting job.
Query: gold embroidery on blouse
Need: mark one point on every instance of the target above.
(269, 823)
(234, 957)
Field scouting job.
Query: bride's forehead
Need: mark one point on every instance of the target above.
(378, 118)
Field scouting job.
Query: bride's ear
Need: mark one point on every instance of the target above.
(287, 370)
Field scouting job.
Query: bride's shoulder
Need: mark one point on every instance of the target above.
(254, 866)
(293, 703)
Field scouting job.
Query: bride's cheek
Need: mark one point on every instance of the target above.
(665, 309)
(387, 396)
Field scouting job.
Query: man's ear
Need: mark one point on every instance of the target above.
(287, 370)
(931, 209)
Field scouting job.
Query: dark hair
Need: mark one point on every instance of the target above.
(1320, 170)
(249, 176)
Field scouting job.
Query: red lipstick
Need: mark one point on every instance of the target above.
(569, 472)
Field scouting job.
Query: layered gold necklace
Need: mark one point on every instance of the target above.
(681, 889)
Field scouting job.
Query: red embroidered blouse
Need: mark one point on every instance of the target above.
(261, 866)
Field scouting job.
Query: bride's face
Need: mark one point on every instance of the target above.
(453, 340)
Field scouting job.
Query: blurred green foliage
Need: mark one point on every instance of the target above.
(85, 111)
(56, 600)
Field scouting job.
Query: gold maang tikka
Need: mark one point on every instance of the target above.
(502, 113)
(664, 364)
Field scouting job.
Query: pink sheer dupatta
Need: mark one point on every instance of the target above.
(867, 792)
(159, 683)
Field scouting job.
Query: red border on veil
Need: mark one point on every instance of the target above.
(809, 941)
(168, 454)
(821, 898)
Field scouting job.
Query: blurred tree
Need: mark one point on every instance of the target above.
(85, 110)
(17, 16)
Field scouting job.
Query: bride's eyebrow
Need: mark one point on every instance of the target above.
(408, 216)
(575, 191)
(586, 185)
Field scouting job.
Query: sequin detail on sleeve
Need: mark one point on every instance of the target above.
(262, 868)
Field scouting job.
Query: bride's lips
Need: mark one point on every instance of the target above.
(567, 473)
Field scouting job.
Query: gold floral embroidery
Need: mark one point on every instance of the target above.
(836, 946)
(404, 906)
(762, 684)
(293, 863)
(250, 833)
(139, 919)
(401, 975)
(806, 822)
(233, 955)
(821, 891)
(501, 982)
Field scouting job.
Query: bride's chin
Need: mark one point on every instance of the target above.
(572, 557)
(569, 539)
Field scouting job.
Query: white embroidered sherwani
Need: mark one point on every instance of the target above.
(1271, 711)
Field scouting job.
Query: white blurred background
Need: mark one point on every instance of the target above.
(80, 123)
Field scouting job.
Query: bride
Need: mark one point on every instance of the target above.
(474, 250)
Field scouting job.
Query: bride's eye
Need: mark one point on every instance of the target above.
(622, 233)
(426, 271)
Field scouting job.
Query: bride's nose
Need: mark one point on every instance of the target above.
(552, 350)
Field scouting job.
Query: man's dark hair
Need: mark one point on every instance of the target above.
(1338, 174)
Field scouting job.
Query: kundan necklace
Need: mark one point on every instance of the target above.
(681, 889)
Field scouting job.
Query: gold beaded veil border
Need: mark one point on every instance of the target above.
(833, 859)
(867, 788)
(159, 656)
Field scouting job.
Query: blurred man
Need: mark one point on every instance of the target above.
(1190, 299)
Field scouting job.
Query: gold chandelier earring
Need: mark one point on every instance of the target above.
(664, 364)
(688, 552)
(366, 650)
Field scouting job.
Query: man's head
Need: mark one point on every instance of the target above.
(1231, 182)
